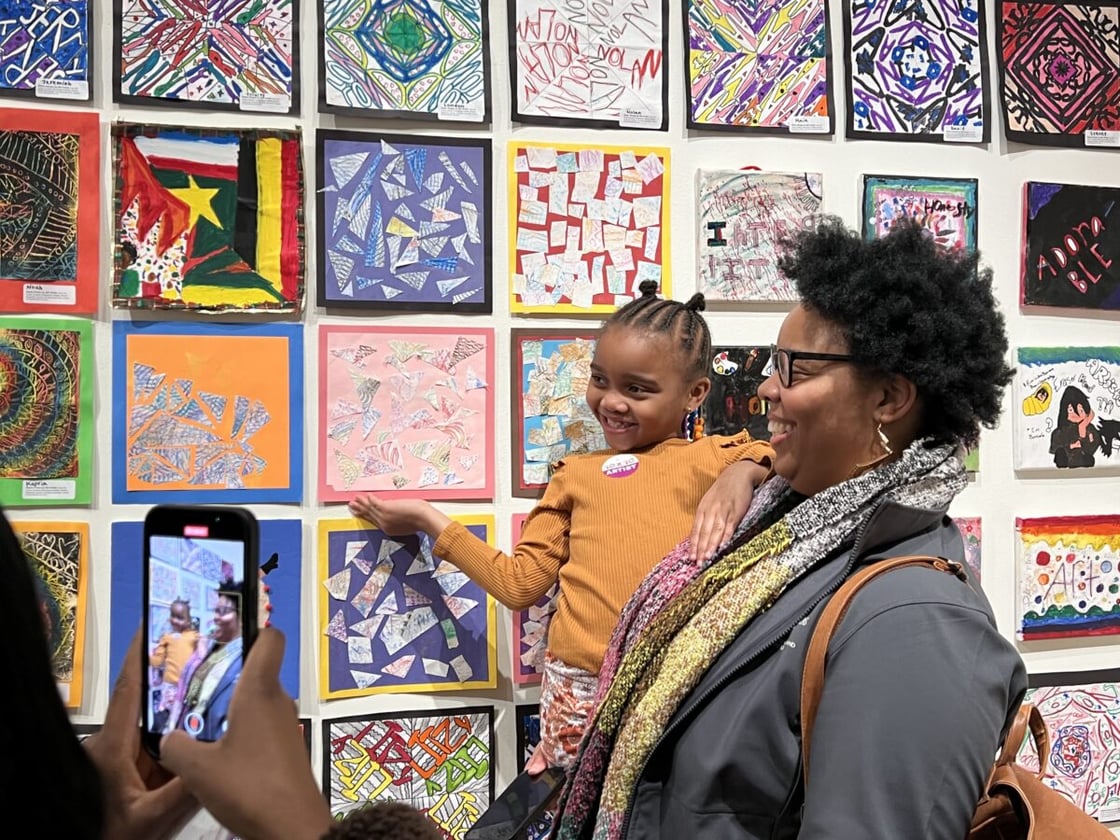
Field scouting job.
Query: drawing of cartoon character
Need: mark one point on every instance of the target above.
(1076, 439)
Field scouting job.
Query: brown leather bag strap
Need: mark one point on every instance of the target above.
(812, 677)
(1027, 717)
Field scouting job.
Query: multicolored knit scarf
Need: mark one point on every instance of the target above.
(683, 616)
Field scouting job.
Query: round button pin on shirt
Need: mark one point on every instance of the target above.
(620, 466)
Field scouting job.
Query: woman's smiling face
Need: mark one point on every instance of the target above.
(823, 424)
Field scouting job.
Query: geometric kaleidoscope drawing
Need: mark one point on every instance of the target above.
(44, 41)
(916, 68)
(58, 553)
(403, 225)
(46, 411)
(597, 65)
(207, 412)
(439, 761)
(1082, 714)
(754, 66)
(229, 55)
(1059, 66)
(945, 207)
(49, 210)
(416, 59)
(208, 219)
(741, 218)
(394, 618)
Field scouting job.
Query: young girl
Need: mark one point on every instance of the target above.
(608, 517)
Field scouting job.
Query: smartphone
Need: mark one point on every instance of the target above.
(518, 806)
(199, 617)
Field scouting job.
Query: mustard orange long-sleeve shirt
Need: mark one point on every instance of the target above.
(605, 520)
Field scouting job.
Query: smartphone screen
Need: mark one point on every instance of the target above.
(517, 806)
(200, 599)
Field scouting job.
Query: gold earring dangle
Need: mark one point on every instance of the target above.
(885, 443)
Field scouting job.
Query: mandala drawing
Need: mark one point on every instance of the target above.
(756, 65)
(915, 67)
(404, 225)
(210, 54)
(741, 218)
(57, 552)
(944, 207)
(43, 41)
(208, 219)
(1082, 714)
(439, 761)
(1059, 70)
(405, 58)
(39, 412)
(599, 64)
(38, 206)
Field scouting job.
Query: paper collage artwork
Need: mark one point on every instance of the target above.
(239, 55)
(207, 412)
(945, 207)
(1082, 714)
(759, 65)
(1067, 408)
(733, 403)
(396, 619)
(208, 219)
(418, 59)
(917, 70)
(587, 225)
(50, 193)
(440, 762)
(530, 627)
(742, 216)
(59, 557)
(1069, 577)
(970, 529)
(406, 412)
(1071, 248)
(599, 65)
(551, 368)
(46, 411)
(1059, 66)
(44, 48)
(404, 225)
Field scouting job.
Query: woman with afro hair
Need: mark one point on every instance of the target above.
(881, 378)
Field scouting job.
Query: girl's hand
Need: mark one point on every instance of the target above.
(723, 507)
(399, 517)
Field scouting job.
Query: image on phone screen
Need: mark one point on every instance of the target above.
(195, 597)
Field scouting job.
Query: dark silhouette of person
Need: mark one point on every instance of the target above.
(1076, 438)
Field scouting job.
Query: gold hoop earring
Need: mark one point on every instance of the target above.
(885, 443)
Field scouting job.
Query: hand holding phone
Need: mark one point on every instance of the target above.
(200, 617)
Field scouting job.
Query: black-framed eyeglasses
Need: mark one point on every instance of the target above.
(781, 360)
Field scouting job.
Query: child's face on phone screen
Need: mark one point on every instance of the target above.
(180, 618)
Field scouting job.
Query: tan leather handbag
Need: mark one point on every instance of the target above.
(1016, 803)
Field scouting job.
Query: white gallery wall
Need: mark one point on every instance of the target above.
(996, 493)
